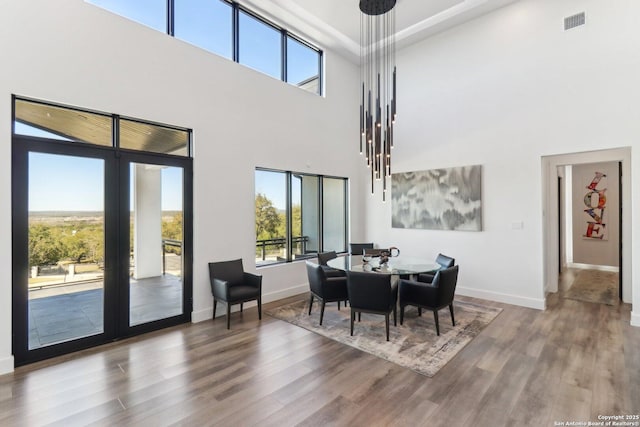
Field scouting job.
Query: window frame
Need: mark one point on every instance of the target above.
(320, 214)
(235, 39)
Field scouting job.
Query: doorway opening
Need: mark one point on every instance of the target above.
(585, 222)
(590, 237)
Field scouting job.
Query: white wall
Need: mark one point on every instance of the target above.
(503, 91)
(74, 53)
(591, 251)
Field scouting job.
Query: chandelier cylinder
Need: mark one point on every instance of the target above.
(378, 87)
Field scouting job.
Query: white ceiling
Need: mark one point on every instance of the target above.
(335, 24)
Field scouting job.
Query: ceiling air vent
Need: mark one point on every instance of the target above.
(573, 21)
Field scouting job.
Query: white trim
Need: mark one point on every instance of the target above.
(550, 209)
(207, 313)
(536, 303)
(6, 365)
(611, 268)
(635, 319)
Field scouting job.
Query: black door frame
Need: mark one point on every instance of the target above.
(126, 158)
(116, 214)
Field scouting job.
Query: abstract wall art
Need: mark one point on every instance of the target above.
(438, 199)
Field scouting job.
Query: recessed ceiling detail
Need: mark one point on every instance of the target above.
(335, 24)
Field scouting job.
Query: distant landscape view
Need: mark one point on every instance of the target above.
(68, 246)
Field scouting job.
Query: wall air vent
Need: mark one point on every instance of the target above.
(574, 21)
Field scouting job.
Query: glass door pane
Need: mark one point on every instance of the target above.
(156, 242)
(334, 208)
(66, 248)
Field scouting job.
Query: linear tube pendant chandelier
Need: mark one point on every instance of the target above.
(378, 88)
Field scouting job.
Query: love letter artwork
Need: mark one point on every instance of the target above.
(595, 208)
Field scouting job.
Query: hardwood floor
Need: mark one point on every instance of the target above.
(572, 362)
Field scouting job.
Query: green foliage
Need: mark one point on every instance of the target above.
(82, 242)
(268, 221)
(51, 244)
(44, 245)
(172, 229)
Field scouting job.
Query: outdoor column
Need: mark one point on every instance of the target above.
(147, 222)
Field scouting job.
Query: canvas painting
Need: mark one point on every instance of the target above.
(595, 204)
(438, 199)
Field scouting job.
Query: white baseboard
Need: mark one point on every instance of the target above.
(6, 365)
(207, 313)
(635, 318)
(611, 268)
(536, 303)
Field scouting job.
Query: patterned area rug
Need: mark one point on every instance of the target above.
(595, 286)
(413, 345)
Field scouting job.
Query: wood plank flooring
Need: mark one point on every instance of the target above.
(572, 362)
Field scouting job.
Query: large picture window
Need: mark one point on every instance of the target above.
(298, 215)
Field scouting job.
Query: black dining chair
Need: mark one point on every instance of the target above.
(443, 261)
(372, 293)
(326, 289)
(358, 248)
(431, 296)
(232, 285)
(323, 258)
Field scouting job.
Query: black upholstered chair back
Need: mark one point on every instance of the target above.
(358, 248)
(316, 277)
(370, 291)
(324, 257)
(231, 271)
(445, 261)
(445, 281)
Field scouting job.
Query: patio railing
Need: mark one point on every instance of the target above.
(280, 242)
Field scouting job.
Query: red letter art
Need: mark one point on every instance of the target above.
(595, 201)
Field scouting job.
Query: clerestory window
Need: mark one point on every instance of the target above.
(227, 29)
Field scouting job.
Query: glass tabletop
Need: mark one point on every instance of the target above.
(396, 265)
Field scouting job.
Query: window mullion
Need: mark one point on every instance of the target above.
(170, 18)
(235, 26)
(289, 220)
(283, 65)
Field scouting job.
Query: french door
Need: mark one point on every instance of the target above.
(101, 245)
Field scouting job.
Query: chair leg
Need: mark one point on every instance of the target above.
(228, 316)
(259, 308)
(241, 304)
(215, 303)
(401, 314)
(310, 304)
(321, 312)
(395, 316)
(435, 316)
(359, 316)
(419, 311)
(386, 324)
(353, 317)
(453, 320)
(338, 305)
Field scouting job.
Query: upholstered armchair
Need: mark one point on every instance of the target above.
(232, 285)
(372, 293)
(431, 296)
(323, 258)
(325, 288)
(444, 262)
